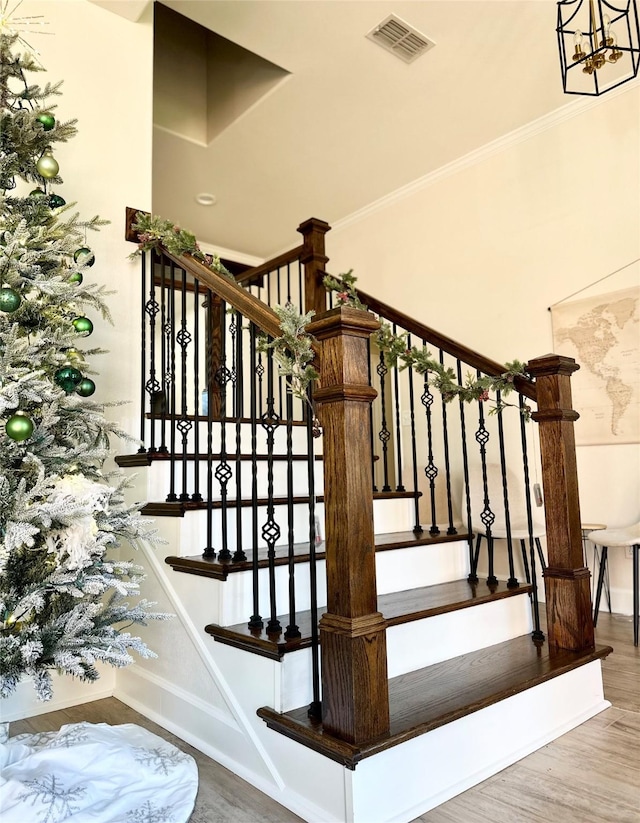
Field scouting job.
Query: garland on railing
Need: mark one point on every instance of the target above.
(154, 232)
(394, 348)
(293, 349)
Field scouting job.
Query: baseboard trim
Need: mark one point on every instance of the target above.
(67, 692)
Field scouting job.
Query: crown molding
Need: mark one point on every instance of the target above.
(542, 124)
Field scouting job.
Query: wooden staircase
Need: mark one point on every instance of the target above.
(430, 682)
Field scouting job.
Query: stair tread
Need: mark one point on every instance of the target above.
(178, 508)
(428, 698)
(148, 457)
(220, 570)
(397, 608)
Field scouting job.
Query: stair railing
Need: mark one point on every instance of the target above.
(354, 686)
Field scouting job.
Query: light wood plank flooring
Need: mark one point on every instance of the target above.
(590, 775)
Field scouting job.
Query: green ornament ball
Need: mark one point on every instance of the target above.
(37, 193)
(48, 120)
(76, 277)
(82, 325)
(55, 201)
(19, 427)
(68, 378)
(9, 299)
(84, 256)
(47, 165)
(85, 387)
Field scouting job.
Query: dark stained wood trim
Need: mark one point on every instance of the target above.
(205, 567)
(424, 700)
(452, 347)
(147, 458)
(179, 508)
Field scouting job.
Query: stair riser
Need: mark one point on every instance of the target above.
(160, 479)
(389, 516)
(421, 643)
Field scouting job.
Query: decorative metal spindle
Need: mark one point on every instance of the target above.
(292, 629)
(143, 364)
(196, 496)
(280, 386)
(430, 470)
(315, 707)
(399, 478)
(417, 529)
(465, 471)
(447, 466)
(260, 375)
(184, 425)
(166, 378)
(271, 529)
(223, 470)
(384, 435)
(487, 516)
(512, 583)
(209, 552)
(288, 282)
(373, 454)
(233, 331)
(300, 288)
(538, 634)
(172, 496)
(255, 621)
(152, 386)
(239, 554)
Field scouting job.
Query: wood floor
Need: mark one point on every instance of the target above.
(590, 775)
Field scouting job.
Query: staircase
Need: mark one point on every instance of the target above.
(345, 660)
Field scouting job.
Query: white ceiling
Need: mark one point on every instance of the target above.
(352, 122)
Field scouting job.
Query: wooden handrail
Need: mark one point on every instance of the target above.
(257, 272)
(452, 347)
(249, 306)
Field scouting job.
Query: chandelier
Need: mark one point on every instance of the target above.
(599, 44)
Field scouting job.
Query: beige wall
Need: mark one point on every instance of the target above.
(481, 254)
(105, 62)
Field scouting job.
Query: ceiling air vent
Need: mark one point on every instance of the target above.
(398, 37)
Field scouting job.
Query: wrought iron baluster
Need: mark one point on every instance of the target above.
(239, 554)
(292, 629)
(300, 288)
(280, 388)
(487, 516)
(184, 425)
(223, 470)
(233, 332)
(165, 335)
(373, 454)
(447, 466)
(399, 478)
(143, 363)
(430, 470)
(465, 471)
(209, 552)
(255, 621)
(315, 708)
(417, 529)
(271, 529)
(512, 583)
(384, 435)
(152, 386)
(196, 496)
(172, 496)
(538, 634)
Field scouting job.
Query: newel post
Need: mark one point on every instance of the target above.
(314, 259)
(567, 580)
(355, 695)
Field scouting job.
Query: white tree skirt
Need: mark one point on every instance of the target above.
(95, 772)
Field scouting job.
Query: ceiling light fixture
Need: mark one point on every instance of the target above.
(206, 199)
(599, 44)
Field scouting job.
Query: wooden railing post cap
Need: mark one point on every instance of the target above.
(313, 224)
(344, 320)
(552, 364)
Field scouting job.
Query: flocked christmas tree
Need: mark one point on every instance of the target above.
(64, 598)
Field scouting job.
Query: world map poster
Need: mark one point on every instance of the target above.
(603, 335)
